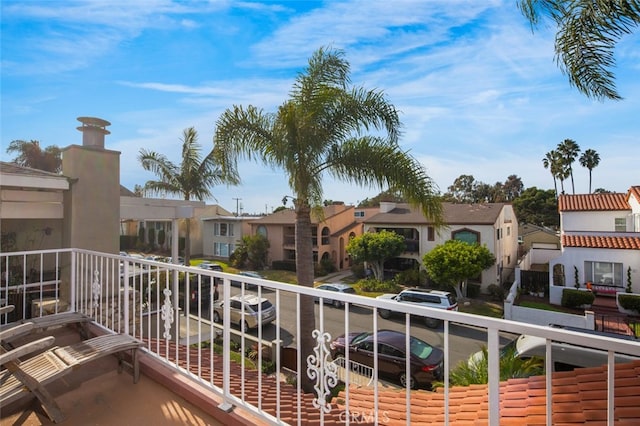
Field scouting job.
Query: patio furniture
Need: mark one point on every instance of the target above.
(20, 377)
(42, 324)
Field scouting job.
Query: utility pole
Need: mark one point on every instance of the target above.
(237, 204)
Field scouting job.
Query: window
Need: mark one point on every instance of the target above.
(262, 230)
(508, 231)
(358, 214)
(466, 235)
(325, 235)
(605, 273)
(621, 224)
(222, 249)
(431, 233)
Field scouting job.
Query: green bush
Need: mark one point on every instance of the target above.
(630, 301)
(576, 298)
(357, 269)
(497, 293)
(410, 277)
(325, 267)
(375, 286)
(284, 265)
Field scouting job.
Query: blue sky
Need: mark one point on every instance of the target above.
(479, 93)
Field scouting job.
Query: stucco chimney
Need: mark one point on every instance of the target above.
(93, 131)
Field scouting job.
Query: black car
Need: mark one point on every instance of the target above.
(426, 361)
(199, 291)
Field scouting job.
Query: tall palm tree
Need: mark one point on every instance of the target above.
(32, 155)
(550, 161)
(588, 31)
(569, 151)
(320, 130)
(192, 179)
(590, 159)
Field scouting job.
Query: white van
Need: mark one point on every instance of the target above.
(565, 356)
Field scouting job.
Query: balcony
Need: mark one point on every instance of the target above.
(168, 308)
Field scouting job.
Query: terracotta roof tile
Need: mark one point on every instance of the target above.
(608, 242)
(593, 202)
(579, 397)
(635, 191)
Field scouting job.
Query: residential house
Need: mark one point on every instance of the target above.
(222, 232)
(491, 224)
(600, 235)
(330, 234)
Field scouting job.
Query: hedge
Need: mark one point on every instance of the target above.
(576, 298)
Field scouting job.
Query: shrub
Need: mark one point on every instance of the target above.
(410, 277)
(496, 292)
(375, 286)
(630, 302)
(284, 265)
(357, 269)
(576, 298)
(325, 267)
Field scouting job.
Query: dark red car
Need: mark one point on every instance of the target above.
(426, 361)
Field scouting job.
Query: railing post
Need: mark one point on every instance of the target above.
(72, 282)
(126, 298)
(226, 347)
(494, 376)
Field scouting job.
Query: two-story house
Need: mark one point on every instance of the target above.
(491, 224)
(330, 234)
(221, 233)
(600, 235)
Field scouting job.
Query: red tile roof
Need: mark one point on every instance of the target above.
(579, 397)
(635, 191)
(593, 202)
(591, 241)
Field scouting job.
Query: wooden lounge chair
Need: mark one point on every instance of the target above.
(41, 324)
(31, 375)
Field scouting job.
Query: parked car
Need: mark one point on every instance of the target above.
(426, 361)
(251, 274)
(431, 298)
(565, 356)
(257, 311)
(199, 290)
(210, 266)
(337, 288)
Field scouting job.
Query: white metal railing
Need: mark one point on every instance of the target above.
(170, 308)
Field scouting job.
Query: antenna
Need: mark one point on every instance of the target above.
(237, 204)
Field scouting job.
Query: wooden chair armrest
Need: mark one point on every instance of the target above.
(16, 330)
(6, 309)
(26, 349)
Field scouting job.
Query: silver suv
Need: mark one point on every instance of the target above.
(246, 311)
(431, 298)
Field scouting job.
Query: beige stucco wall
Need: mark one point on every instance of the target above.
(92, 205)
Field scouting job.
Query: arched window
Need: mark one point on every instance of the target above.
(325, 236)
(466, 235)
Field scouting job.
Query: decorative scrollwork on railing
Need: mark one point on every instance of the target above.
(167, 313)
(321, 369)
(96, 290)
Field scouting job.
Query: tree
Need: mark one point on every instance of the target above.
(590, 159)
(31, 155)
(375, 248)
(322, 129)
(512, 187)
(454, 262)
(553, 161)
(588, 31)
(384, 196)
(191, 179)
(538, 207)
(569, 151)
(463, 188)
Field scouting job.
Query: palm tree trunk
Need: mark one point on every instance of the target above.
(573, 187)
(187, 243)
(589, 181)
(304, 273)
(555, 185)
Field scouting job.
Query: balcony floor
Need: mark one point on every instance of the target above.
(97, 394)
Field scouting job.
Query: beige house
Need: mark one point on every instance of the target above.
(222, 232)
(330, 234)
(491, 224)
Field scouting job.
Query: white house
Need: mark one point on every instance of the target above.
(600, 235)
(491, 224)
